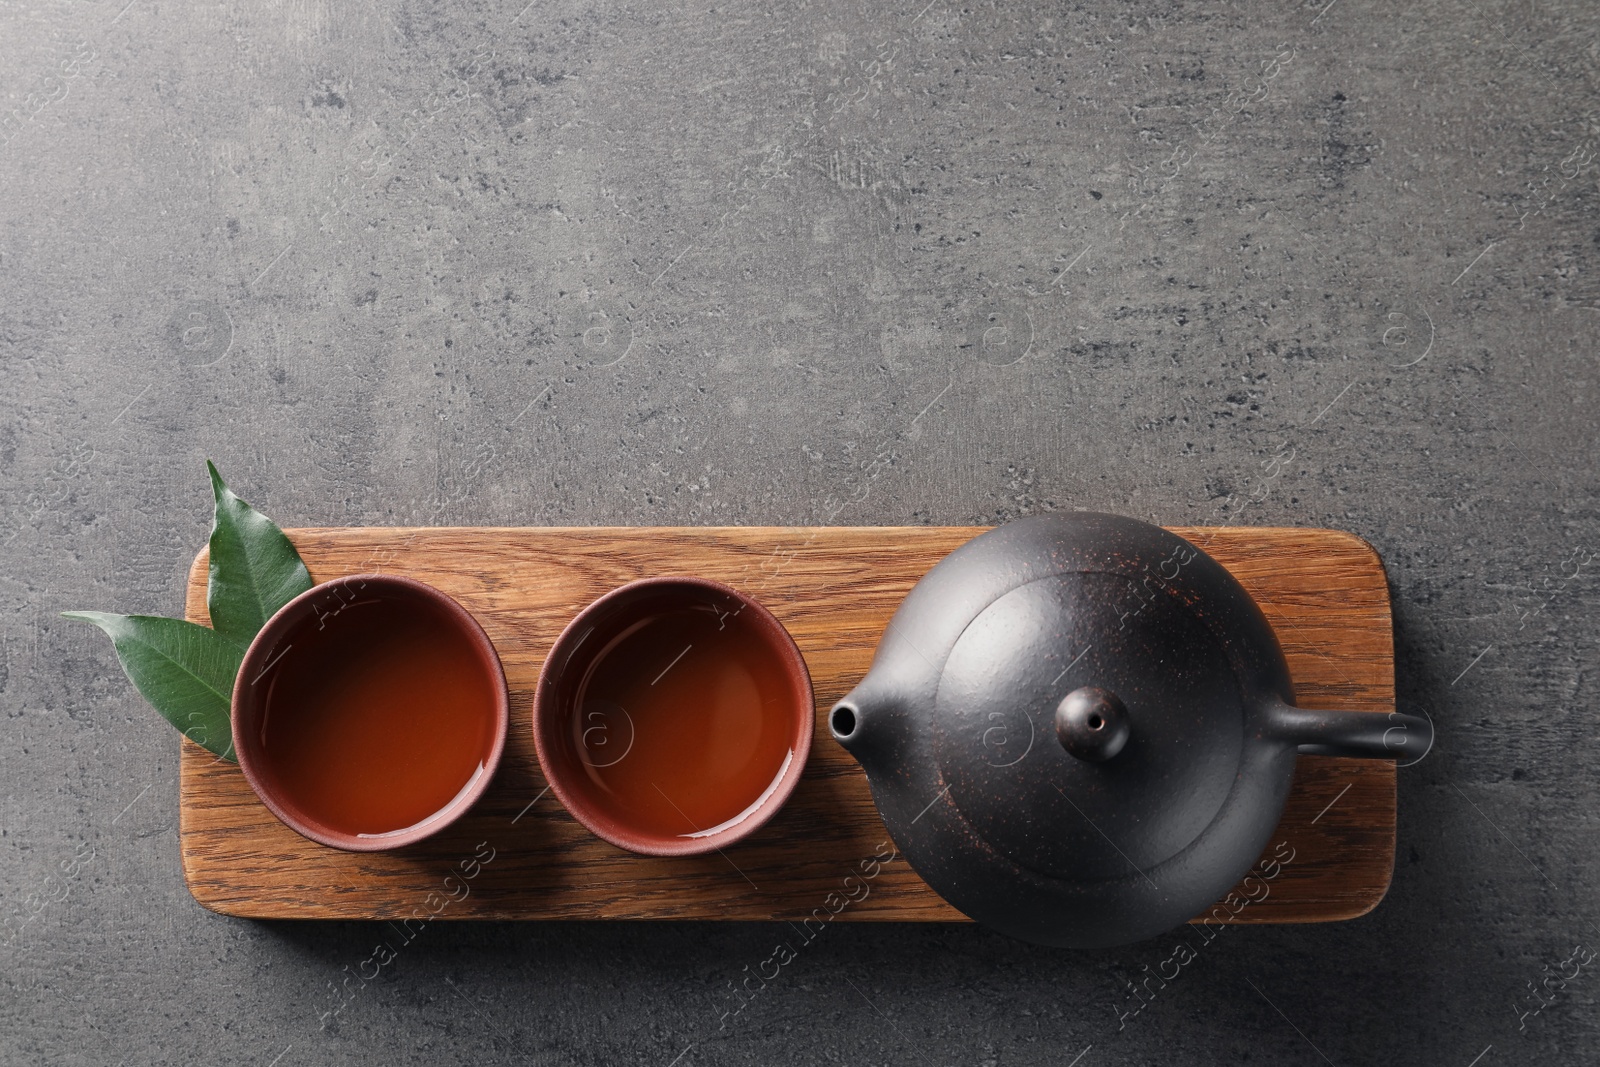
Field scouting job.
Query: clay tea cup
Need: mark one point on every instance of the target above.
(673, 716)
(370, 712)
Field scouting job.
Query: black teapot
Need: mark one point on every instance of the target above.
(1079, 729)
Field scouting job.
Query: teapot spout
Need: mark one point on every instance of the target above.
(864, 723)
(844, 721)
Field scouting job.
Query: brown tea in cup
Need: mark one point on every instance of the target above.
(673, 716)
(370, 712)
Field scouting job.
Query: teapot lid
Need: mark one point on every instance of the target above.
(1087, 728)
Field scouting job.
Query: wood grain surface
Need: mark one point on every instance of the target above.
(834, 588)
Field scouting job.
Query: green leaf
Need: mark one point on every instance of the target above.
(184, 670)
(255, 569)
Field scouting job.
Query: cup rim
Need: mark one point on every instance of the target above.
(247, 702)
(547, 711)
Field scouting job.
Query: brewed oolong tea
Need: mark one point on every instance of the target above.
(378, 715)
(684, 721)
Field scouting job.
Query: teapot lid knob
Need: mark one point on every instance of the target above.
(1092, 723)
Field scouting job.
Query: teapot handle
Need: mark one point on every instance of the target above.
(1369, 734)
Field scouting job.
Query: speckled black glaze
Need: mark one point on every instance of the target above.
(991, 780)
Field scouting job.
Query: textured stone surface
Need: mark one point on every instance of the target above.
(595, 263)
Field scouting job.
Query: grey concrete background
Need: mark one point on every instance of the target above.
(1328, 264)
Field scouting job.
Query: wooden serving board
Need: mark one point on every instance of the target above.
(834, 588)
